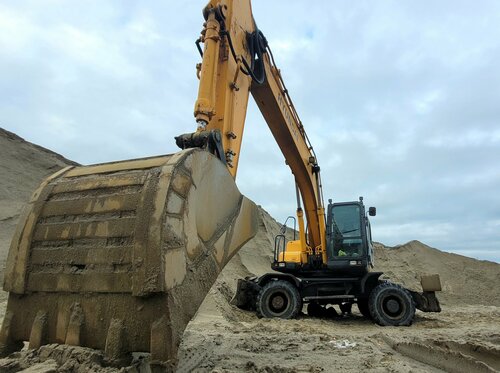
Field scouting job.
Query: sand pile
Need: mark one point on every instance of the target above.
(22, 167)
(464, 280)
(223, 338)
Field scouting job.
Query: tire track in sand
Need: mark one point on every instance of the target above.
(450, 356)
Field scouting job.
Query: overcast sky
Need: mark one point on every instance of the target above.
(401, 100)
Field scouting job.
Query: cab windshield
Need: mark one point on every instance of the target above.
(345, 235)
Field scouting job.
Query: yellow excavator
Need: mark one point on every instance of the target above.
(119, 256)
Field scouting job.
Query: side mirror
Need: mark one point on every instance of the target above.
(372, 211)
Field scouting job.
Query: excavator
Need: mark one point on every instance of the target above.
(119, 256)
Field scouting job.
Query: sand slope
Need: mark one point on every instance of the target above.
(23, 165)
(464, 280)
(221, 338)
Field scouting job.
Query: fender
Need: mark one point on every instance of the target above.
(369, 280)
(264, 279)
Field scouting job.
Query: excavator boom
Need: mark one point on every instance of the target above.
(237, 60)
(278, 110)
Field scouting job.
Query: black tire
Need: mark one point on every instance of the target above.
(331, 313)
(345, 308)
(391, 305)
(315, 310)
(364, 309)
(278, 299)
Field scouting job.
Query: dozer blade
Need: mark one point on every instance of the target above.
(119, 256)
(427, 300)
(246, 293)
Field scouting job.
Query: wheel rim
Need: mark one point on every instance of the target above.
(393, 307)
(278, 303)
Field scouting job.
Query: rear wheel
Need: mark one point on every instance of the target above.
(278, 299)
(391, 305)
(315, 310)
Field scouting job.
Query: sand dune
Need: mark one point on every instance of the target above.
(22, 167)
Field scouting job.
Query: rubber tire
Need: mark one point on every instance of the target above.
(345, 308)
(364, 309)
(381, 315)
(314, 310)
(293, 301)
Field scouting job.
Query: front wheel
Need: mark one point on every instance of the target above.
(391, 305)
(278, 299)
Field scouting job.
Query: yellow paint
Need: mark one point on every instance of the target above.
(223, 94)
(293, 253)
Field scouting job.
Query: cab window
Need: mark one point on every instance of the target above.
(345, 234)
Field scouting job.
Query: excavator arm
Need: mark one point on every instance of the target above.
(237, 60)
(277, 108)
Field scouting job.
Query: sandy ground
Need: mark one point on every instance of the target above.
(459, 339)
(465, 337)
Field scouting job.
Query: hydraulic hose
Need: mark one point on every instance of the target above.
(257, 45)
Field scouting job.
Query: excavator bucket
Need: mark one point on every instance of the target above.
(119, 256)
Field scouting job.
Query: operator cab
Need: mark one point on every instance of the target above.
(348, 237)
(349, 248)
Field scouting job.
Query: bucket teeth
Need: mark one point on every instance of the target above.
(38, 333)
(119, 256)
(7, 342)
(114, 350)
(75, 325)
(162, 341)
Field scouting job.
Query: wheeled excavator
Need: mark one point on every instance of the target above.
(119, 256)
